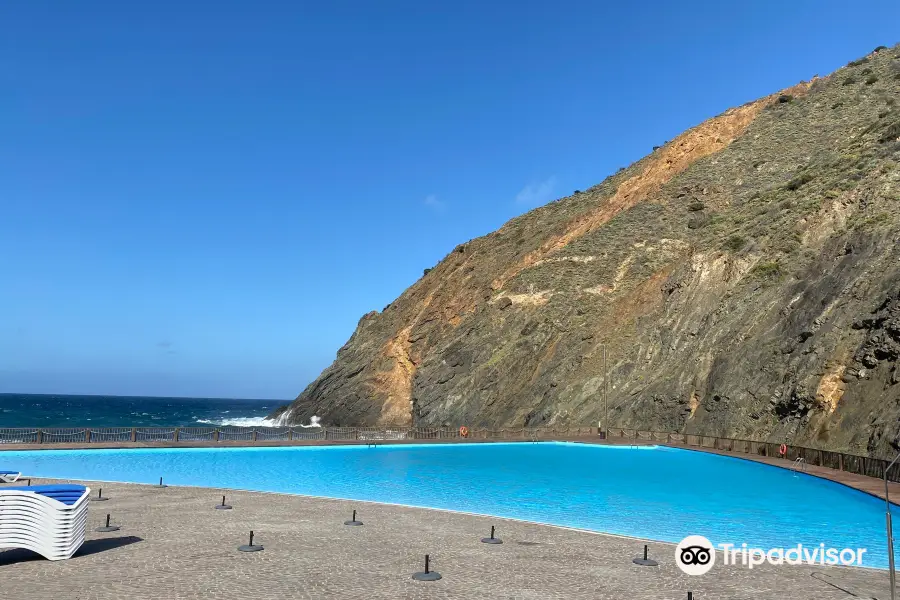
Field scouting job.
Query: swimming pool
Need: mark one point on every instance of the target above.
(657, 493)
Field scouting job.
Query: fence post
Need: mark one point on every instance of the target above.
(290, 433)
(254, 435)
(87, 436)
(177, 430)
(217, 434)
(840, 461)
(134, 434)
(40, 436)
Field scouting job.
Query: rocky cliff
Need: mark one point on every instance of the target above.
(743, 279)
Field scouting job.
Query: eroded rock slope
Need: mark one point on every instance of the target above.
(744, 279)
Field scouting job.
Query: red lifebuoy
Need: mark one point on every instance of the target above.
(464, 431)
(782, 450)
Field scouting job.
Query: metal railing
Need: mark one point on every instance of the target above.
(799, 465)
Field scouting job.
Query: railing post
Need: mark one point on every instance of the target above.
(254, 435)
(134, 434)
(177, 430)
(217, 434)
(840, 461)
(87, 436)
(290, 433)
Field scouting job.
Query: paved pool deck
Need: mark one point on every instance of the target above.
(174, 544)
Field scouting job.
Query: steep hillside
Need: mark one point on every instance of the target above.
(744, 279)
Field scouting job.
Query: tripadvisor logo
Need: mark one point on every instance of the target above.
(695, 555)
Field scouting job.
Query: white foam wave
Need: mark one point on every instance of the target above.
(241, 422)
(257, 422)
(313, 422)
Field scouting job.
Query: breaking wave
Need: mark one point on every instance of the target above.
(254, 422)
(241, 422)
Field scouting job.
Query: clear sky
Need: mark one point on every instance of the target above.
(202, 198)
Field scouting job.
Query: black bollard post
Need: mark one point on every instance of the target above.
(492, 539)
(427, 575)
(353, 522)
(646, 561)
(100, 497)
(690, 595)
(161, 484)
(223, 506)
(29, 481)
(251, 547)
(108, 527)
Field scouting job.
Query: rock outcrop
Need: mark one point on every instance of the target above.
(743, 278)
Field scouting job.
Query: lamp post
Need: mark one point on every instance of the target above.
(890, 529)
(606, 397)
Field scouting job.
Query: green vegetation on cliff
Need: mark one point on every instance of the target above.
(744, 279)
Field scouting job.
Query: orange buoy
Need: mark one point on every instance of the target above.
(464, 431)
(782, 450)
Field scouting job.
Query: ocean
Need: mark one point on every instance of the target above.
(34, 410)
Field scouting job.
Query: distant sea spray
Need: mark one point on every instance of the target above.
(258, 422)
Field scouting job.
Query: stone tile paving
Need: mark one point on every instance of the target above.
(173, 544)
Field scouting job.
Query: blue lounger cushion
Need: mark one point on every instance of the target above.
(9, 472)
(68, 494)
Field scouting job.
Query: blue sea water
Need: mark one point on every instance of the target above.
(38, 410)
(657, 493)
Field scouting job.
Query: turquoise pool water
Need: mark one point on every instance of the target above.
(656, 493)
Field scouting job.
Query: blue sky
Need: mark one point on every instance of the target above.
(202, 198)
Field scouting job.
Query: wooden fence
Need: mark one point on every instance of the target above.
(82, 435)
(852, 463)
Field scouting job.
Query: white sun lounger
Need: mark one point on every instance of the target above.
(9, 476)
(47, 519)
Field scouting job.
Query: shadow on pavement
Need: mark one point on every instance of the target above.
(10, 557)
